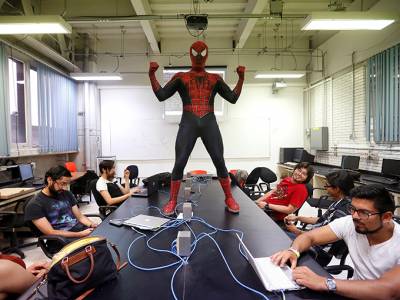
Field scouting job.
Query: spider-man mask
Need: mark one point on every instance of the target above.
(198, 54)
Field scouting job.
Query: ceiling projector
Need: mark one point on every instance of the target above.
(196, 22)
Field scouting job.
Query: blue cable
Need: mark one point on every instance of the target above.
(174, 223)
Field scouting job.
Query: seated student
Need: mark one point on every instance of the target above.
(15, 279)
(54, 210)
(289, 195)
(111, 192)
(338, 186)
(373, 240)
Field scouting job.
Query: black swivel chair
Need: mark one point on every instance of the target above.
(133, 176)
(12, 225)
(80, 186)
(104, 209)
(255, 190)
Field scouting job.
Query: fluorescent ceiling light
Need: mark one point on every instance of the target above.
(279, 74)
(38, 24)
(96, 76)
(347, 21)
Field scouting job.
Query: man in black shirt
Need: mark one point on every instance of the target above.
(54, 211)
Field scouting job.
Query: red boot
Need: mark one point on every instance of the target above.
(169, 208)
(231, 204)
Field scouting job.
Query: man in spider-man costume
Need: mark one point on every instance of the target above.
(197, 89)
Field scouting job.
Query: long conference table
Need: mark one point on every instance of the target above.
(206, 275)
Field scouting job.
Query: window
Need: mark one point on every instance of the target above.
(383, 92)
(17, 101)
(34, 107)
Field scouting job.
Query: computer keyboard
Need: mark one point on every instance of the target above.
(378, 179)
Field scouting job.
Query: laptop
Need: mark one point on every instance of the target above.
(273, 277)
(152, 187)
(146, 222)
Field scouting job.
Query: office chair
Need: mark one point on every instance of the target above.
(71, 166)
(197, 172)
(133, 176)
(104, 209)
(254, 190)
(80, 186)
(11, 223)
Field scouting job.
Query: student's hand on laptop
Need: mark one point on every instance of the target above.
(305, 277)
(282, 257)
(93, 225)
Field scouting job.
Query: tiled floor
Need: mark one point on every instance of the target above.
(34, 253)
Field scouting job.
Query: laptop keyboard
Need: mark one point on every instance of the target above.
(278, 278)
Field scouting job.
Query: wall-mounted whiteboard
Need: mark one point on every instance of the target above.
(133, 128)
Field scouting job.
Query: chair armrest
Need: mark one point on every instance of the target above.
(337, 269)
(56, 242)
(268, 187)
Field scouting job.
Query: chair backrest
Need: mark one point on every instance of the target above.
(198, 172)
(133, 171)
(97, 196)
(267, 175)
(254, 176)
(71, 166)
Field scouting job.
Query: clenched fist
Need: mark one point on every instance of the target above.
(153, 67)
(240, 70)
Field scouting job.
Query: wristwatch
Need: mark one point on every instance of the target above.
(266, 207)
(331, 284)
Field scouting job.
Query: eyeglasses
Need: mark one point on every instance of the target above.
(362, 213)
(62, 184)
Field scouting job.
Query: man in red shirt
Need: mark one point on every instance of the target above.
(290, 193)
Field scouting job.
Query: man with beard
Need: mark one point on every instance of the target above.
(111, 192)
(373, 240)
(54, 211)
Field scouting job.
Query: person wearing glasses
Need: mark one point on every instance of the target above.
(373, 240)
(289, 195)
(338, 186)
(54, 211)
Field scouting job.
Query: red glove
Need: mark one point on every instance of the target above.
(153, 67)
(240, 70)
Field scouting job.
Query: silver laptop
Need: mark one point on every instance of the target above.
(273, 277)
(146, 222)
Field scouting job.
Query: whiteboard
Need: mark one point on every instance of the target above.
(133, 128)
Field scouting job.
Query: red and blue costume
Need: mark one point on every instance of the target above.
(197, 89)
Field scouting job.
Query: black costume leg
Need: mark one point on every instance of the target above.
(212, 140)
(184, 144)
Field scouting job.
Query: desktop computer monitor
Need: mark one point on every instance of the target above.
(25, 171)
(391, 167)
(350, 162)
(286, 154)
(301, 155)
(298, 155)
